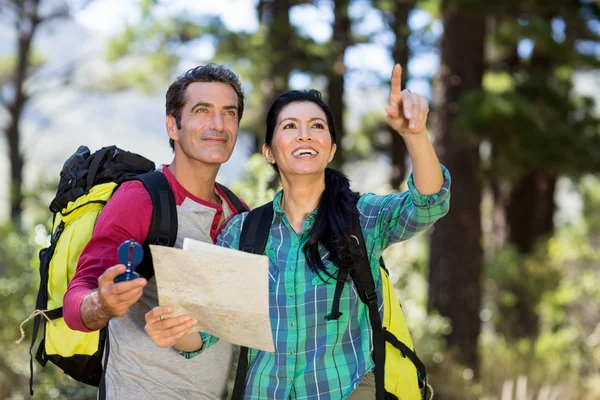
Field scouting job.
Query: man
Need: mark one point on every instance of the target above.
(204, 107)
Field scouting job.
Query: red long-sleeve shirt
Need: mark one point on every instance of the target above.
(127, 216)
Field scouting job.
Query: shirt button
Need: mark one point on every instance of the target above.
(291, 294)
(431, 200)
(295, 244)
(291, 381)
(291, 267)
(292, 352)
(293, 324)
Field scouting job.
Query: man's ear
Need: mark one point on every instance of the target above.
(171, 125)
(266, 150)
(332, 153)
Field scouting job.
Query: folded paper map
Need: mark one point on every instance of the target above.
(225, 290)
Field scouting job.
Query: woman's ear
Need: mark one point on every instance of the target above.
(332, 153)
(171, 125)
(266, 150)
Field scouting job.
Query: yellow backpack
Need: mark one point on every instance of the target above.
(87, 182)
(399, 374)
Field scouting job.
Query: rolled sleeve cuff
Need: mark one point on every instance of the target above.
(430, 200)
(72, 309)
(191, 354)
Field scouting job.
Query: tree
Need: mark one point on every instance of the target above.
(26, 17)
(340, 41)
(456, 258)
(539, 130)
(396, 15)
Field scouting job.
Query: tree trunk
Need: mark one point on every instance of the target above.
(26, 30)
(276, 14)
(341, 40)
(530, 210)
(529, 214)
(530, 220)
(400, 54)
(456, 259)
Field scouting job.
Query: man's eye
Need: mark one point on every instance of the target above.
(230, 112)
(202, 110)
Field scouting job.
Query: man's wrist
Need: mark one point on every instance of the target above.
(92, 313)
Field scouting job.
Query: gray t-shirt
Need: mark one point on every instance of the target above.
(137, 368)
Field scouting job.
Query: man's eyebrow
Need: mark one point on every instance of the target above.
(202, 104)
(211, 105)
(231, 107)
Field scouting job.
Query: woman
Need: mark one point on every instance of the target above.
(307, 247)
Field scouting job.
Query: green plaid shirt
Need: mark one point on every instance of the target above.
(315, 358)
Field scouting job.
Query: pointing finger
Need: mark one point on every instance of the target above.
(396, 86)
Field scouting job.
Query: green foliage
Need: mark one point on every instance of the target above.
(256, 181)
(590, 189)
(561, 282)
(534, 126)
(19, 280)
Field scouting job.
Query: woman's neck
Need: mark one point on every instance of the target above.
(301, 195)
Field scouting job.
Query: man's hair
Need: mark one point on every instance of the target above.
(176, 94)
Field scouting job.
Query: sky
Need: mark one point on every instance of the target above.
(107, 17)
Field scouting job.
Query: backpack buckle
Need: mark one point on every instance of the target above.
(371, 296)
(355, 251)
(332, 316)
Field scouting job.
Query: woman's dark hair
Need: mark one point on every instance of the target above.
(337, 205)
(177, 95)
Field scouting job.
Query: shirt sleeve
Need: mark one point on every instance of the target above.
(127, 215)
(397, 217)
(230, 238)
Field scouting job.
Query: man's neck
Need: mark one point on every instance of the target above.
(196, 178)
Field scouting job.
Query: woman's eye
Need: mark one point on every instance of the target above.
(318, 125)
(289, 126)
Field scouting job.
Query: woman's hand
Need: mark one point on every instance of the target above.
(166, 332)
(407, 111)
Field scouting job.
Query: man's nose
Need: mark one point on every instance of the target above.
(217, 122)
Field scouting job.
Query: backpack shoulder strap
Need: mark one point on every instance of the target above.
(163, 229)
(237, 203)
(365, 285)
(253, 239)
(255, 231)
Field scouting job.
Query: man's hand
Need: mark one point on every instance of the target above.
(110, 300)
(166, 332)
(406, 112)
(116, 298)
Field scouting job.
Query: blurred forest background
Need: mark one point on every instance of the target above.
(502, 296)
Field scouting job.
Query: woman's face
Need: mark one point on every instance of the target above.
(301, 142)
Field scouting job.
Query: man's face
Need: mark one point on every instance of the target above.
(209, 123)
